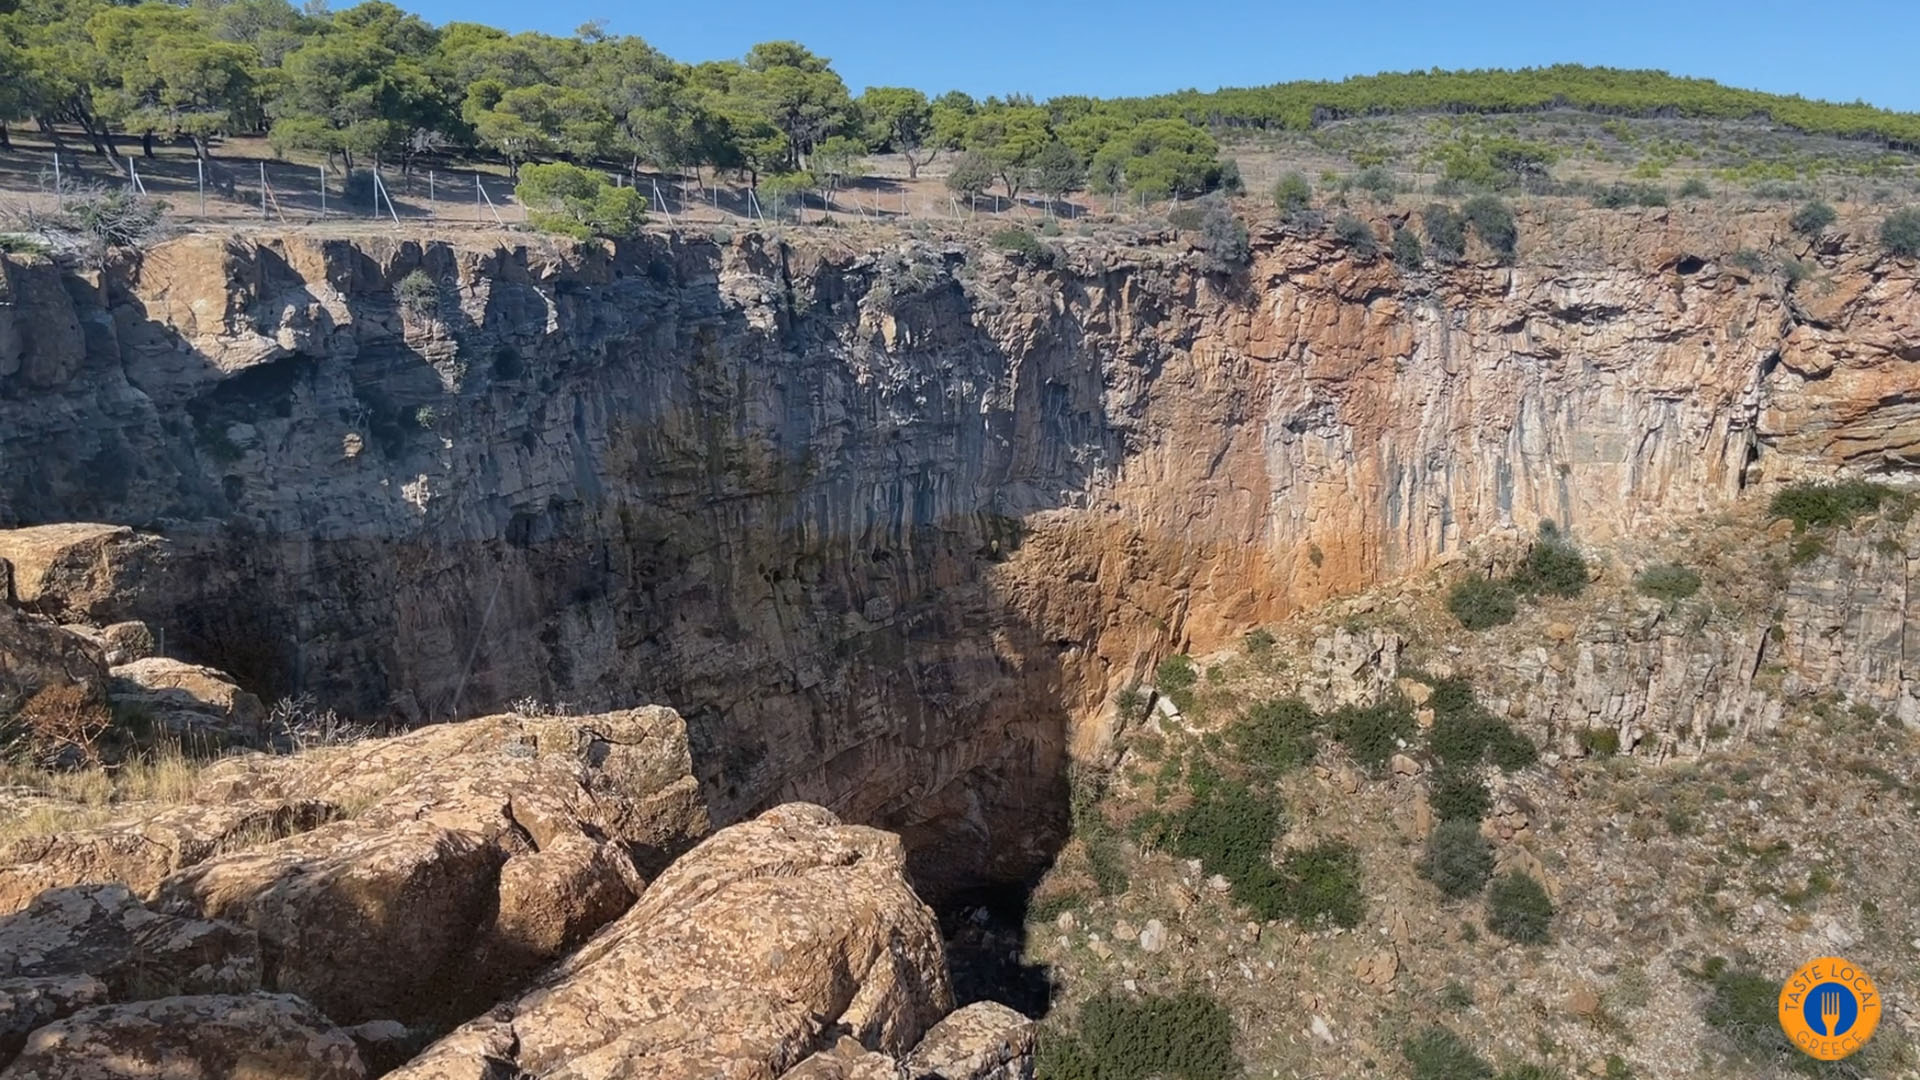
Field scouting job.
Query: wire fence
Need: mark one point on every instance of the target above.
(236, 190)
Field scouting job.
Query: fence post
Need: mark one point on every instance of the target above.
(263, 191)
(323, 189)
(430, 193)
(59, 195)
(200, 182)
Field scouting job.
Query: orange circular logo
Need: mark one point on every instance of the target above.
(1829, 1008)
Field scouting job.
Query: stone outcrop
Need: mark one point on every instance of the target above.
(984, 1041)
(892, 526)
(145, 843)
(36, 654)
(76, 570)
(415, 879)
(215, 1037)
(495, 847)
(772, 940)
(196, 704)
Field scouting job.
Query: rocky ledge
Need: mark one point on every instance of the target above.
(502, 896)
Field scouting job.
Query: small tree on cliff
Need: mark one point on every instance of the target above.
(572, 201)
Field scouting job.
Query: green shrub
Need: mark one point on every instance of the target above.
(1277, 735)
(1695, 188)
(1446, 232)
(1817, 504)
(1457, 793)
(1048, 908)
(1458, 860)
(1600, 742)
(1186, 1036)
(1024, 245)
(1744, 1008)
(1371, 733)
(1320, 885)
(1406, 249)
(1438, 1054)
(1292, 194)
(417, 294)
(1465, 733)
(1812, 217)
(1175, 678)
(1667, 581)
(1229, 829)
(1518, 909)
(580, 203)
(1258, 641)
(1377, 182)
(1617, 196)
(1552, 566)
(1749, 260)
(1106, 861)
(1481, 603)
(22, 244)
(1900, 233)
(1186, 217)
(1225, 240)
(1355, 234)
(1493, 223)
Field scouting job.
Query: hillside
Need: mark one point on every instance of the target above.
(1701, 797)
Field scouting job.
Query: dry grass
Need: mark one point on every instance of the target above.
(61, 801)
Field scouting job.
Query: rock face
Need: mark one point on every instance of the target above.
(770, 941)
(891, 528)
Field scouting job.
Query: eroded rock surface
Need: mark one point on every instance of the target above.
(767, 943)
(214, 1037)
(488, 849)
(197, 704)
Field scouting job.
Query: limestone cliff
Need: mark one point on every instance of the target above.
(889, 525)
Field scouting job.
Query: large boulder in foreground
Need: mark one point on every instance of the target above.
(477, 854)
(214, 1037)
(72, 949)
(768, 943)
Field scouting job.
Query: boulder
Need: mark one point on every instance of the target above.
(481, 853)
(758, 949)
(37, 654)
(984, 1041)
(215, 1037)
(26, 1004)
(848, 1060)
(106, 933)
(148, 844)
(198, 704)
(367, 924)
(121, 643)
(78, 571)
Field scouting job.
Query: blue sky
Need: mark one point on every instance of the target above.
(1839, 50)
